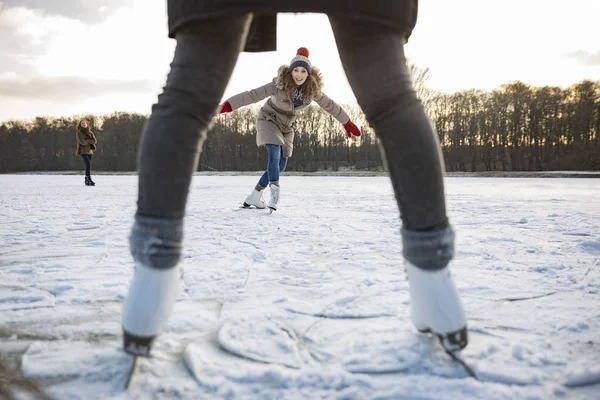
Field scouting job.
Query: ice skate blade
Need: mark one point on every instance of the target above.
(454, 341)
(137, 345)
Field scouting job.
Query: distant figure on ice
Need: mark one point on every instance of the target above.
(293, 89)
(86, 145)
(370, 37)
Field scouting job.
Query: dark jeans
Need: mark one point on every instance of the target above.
(204, 59)
(276, 164)
(87, 159)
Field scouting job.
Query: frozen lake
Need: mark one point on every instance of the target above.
(317, 289)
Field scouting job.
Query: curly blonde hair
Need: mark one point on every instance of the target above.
(310, 89)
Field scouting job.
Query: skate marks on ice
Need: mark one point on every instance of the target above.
(343, 307)
(261, 339)
(531, 297)
(223, 375)
(530, 342)
(360, 297)
(68, 366)
(512, 355)
(267, 358)
(84, 370)
(356, 346)
(260, 211)
(375, 346)
(390, 346)
(14, 296)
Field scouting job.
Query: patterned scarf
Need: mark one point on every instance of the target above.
(297, 98)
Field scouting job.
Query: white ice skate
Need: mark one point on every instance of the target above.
(274, 197)
(149, 303)
(436, 307)
(255, 199)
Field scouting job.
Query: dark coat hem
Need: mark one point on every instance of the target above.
(266, 22)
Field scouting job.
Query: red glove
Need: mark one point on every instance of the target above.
(225, 108)
(351, 129)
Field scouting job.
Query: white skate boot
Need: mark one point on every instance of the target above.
(255, 199)
(148, 306)
(436, 307)
(274, 197)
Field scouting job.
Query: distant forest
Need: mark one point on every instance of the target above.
(515, 127)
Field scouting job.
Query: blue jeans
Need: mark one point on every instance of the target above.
(275, 165)
(87, 159)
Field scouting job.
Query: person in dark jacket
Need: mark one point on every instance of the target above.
(370, 36)
(86, 145)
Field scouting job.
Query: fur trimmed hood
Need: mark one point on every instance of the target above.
(311, 89)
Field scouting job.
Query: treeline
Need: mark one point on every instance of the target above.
(513, 128)
(520, 128)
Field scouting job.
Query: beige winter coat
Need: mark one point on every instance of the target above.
(275, 123)
(86, 142)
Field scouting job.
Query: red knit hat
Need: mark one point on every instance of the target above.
(301, 60)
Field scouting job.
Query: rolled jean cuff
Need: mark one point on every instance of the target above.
(156, 242)
(428, 250)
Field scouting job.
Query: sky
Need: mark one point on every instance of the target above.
(323, 299)
(100, 56)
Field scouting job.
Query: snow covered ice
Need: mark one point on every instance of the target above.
(310, 302)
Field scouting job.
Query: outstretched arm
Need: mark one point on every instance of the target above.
(338, 113)
(247, 98)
